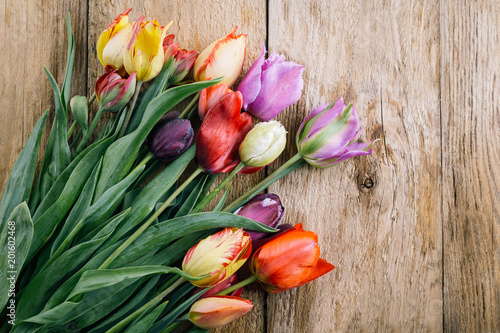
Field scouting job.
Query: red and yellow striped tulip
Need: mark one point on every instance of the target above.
(112, 42)
(144, 53)
(219, 256)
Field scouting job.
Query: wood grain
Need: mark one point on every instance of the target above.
(33, 35)
(385, 239)
(470, 92)
(414, 229)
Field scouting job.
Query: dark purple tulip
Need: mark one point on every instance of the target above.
(170, 137)
(263, 208)
(271, 85)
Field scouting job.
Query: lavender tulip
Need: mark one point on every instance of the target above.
(170, 137)
(263, 208)
(327, 136)
(271, 85)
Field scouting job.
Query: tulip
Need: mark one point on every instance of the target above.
(230, 281)
(183, 62)
(289, 260)
(144, 53)
(271, 85)
(170, 137)
(170, 48)
(216, 311)
(327, 136)
(224, 57)
(263, 208)
(219, 255)
(221, 134)
(263, 144)
(210, 96)
(113, 92)
(112, 41)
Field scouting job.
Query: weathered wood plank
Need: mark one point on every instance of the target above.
(470, 92)
(33, 34)
(196, 25)
(385, 239)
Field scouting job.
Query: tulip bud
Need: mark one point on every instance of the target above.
(144, 53)
(230, 281)
(184, 61)
(209, 96)
(170, 137)
(271, 85)
(112, 41)
(263, 144)
(327, 136)
(169, 47)
(289, 260)
(263, 208)
(223, 57)
(219, 255)
(216, 311)
(113, 92)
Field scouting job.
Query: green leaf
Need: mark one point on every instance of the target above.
(164, 232)
(191, 200)
(222, 200)
(80, 110)
(78, 210)
(15, 241)
(36, 294)
(142, 205)
(121, 155)
(69, 66)
(20, 181)
(47, 223)
(145, 323)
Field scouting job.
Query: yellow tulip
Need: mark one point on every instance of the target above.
(112, 42)
(144, 53)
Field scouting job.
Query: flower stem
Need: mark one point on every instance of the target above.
(239, 285)
(190, 105)
(153, 217)
(91, 129)
(212, 194)
(130, 109)
(91, 100)
(262, 184)
(143, 308)
(71, 129)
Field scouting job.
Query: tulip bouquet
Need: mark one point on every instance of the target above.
(106, 238)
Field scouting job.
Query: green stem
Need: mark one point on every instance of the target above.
(71, 129)
(172, 327)
(143, 308)
(212, 194)
(86, 138)
(153, 217)
(263, 184)
(190, 105)
(239, 285)
(130, 109)
(91, 100)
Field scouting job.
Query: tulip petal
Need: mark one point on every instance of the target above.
(322, 267)
(251, 83)
(282, 86)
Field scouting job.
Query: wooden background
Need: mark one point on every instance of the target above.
(414, 229)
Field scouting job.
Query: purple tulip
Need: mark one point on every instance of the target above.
(271, 85)
(327, 136)
(170, 137)
(263, 208)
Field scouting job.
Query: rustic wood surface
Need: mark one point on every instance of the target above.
(414, 229)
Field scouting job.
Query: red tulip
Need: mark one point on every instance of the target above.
(221, 134)
(210, 96)
(289, 260)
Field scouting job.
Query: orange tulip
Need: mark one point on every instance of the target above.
(224, 57)
(216, 311)
(210, 96)
(219, 255)
(289, 260)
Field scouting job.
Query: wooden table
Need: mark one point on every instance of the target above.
(414, 229)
